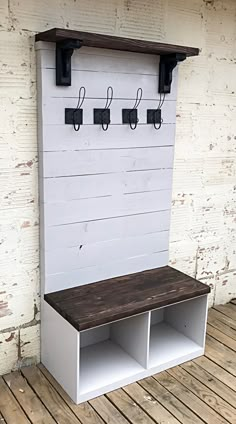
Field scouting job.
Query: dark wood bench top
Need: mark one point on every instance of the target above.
(110, 300)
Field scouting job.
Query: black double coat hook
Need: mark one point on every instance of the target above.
(75, 116)
(130, 116)
(102, 116)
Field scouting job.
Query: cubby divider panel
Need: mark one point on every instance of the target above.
(113, 353)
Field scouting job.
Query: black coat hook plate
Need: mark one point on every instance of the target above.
(101, 116)
(73, 116)
(129, 116)
(154, 116)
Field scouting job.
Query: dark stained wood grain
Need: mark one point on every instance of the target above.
(106, 301)
(117, 43)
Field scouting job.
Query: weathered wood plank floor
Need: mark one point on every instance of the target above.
(200, 391)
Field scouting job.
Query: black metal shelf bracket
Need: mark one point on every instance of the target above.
(64, 51)
(167, 64)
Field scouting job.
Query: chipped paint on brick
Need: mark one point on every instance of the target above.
(10, 338)
(4, 310)
(203, 227)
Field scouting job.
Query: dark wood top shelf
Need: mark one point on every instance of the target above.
(112, 42)
(121, 297)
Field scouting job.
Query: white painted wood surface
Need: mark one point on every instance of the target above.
(63, 137)
(59, 164)
(96, 84)
(65, 189)
(105, 196)
(132, 334)
(105, 270)
(82, 256)
(94, 335)
(72, 235)
(105, 207)
(105, 366)
(169, 347)
(101, 60)
(60, 349)
(177, 330)
(189, 318)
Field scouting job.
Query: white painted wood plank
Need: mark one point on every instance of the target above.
(60, 349)
(82, 256)
(71, 235)
(96, 83)
(105, 60)
(86, 186)
(78, 277)
(54, 111)
(63, 137)
(132, 335)
(105, 207)
(58, 164)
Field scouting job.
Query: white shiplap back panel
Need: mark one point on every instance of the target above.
(117, 228)
(69, 188)
(83, 256)
(105, 270)
(105, 197)
(106, 161)
(125, 62)
(125, 85)
(63, 137)
(83, 210)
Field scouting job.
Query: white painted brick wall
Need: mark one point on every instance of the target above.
(203, 229)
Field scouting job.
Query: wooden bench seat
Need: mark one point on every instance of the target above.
(100, 303)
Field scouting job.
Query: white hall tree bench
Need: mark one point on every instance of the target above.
(113, 311)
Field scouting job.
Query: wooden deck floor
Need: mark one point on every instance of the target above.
(200, 391)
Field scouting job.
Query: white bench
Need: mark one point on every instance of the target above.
(104, 335)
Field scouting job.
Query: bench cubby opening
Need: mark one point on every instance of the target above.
(112, 353)
(177, 332)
